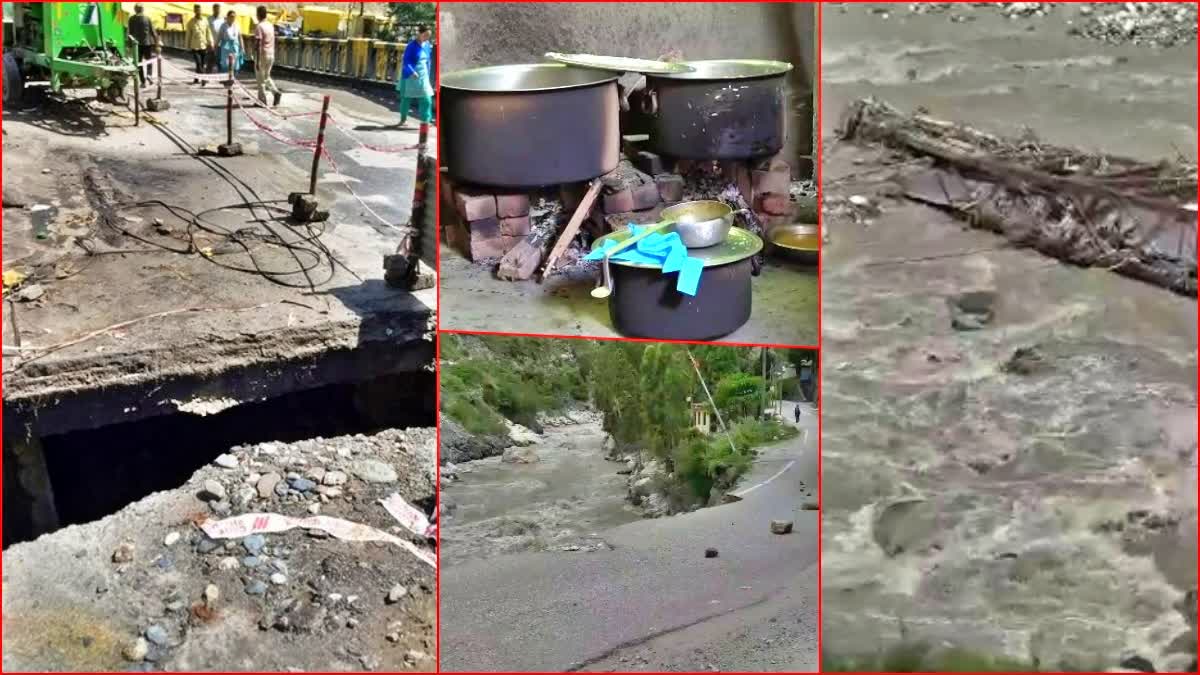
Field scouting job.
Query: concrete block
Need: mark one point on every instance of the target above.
(229, 149)
(485, 228)
(520, 262)
(648, 162)
(158, 105)
(670, 187)
(473, 205)
(619, 201)
(456, 236)
(512, 205)
(515, 227)
(447, 191)
(645, 196)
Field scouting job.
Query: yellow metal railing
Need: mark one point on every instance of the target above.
(358, 58)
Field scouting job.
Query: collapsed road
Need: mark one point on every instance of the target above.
(164, 313)
(125, 306)
(649, 599)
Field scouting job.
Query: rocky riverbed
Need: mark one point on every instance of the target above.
(1157, 24)
(147, 589)
(549, 491)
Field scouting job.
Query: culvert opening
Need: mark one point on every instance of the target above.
(97, 472)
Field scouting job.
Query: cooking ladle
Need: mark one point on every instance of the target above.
(606, 289)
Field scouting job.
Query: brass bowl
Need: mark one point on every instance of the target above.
(799, 242)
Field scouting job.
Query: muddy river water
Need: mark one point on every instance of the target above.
(1048, 513)
(564, 499)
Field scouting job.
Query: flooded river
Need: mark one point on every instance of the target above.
(563, 500)
(1045, 512)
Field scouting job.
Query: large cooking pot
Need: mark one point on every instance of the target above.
(645, 303)
(723, 109)
(525, 126)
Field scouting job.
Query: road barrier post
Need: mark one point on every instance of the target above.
(229, 105)
(229, 148)
(312, 181)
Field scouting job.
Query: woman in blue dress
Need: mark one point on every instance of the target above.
(414, 81)
(229, 42)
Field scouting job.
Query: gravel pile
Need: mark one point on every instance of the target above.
(1154, 24)
(172, 598)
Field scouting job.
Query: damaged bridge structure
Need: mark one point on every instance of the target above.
(164, 303)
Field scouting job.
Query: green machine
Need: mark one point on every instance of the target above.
(66, 45)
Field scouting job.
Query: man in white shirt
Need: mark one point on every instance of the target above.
(216, 21)
(264, 57)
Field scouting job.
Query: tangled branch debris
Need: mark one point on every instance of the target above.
(1135, 218)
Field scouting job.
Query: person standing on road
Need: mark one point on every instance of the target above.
(199, 41)
(229, 42)
(797, 413)
(264, 57)
(215, 22)
(142, 33)
(414, 80)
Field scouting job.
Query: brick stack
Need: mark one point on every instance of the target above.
(633, 194)
(489, 224)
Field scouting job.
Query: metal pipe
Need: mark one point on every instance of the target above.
(312, 180)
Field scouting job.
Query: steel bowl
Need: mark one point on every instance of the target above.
(701, 223)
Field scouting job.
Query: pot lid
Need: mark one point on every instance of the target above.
(524, 77)
(620, 64)
(739, 245)
(730, 69)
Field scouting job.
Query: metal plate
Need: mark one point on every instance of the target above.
(739, 245)
(620, 64)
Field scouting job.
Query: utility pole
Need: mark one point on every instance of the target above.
(763, 390)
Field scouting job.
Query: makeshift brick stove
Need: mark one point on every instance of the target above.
(515, 231)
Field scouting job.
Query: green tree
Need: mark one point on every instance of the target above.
(666, 383)
(739, 395)
(408, 14)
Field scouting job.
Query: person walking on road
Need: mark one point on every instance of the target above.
(199, 41)
(229, 42)
(142, 32)
(215, 22)
(264, 58)
(414, 80)
(797, 413)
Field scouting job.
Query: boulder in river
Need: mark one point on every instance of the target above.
(520, 455)
(522, 436)
(459, 445)
(904, 525)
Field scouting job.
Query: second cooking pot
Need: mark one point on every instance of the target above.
(723, 109)
(525, 126)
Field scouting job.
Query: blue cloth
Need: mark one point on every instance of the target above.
(665, 250)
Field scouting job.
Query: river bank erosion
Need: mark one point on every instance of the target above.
(1009, 440)
(565, 549)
